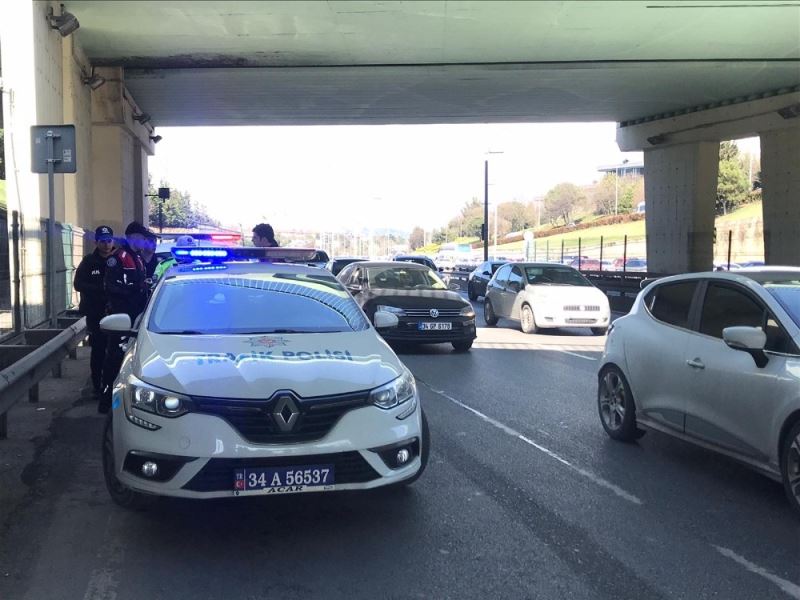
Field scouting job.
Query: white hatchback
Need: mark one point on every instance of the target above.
(713, 359)
(258, 378)
(545, 296)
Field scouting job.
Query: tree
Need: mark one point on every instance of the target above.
(417, 238)
(733, 185)
(178, 210)
(604, 195)
(561, 201)
(733, 182)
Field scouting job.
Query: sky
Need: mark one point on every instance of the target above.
(339, 178)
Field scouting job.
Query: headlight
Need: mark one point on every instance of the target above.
(394, 393)
(151, 399)
(391, 309)
(467, 311)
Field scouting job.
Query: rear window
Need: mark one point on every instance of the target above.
(672, 302)
(272, 303)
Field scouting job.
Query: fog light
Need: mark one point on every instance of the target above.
(403, 456)
(149, 469)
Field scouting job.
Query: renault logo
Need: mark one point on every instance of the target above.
(434, 312)
(285, 413)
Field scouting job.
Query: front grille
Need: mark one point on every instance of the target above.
(581, 321)
(253, 419)
(218, 473)
(578, 308)
(426, 312)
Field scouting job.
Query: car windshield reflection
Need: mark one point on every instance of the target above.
(555, 276)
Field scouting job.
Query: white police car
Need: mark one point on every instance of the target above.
(261, 377)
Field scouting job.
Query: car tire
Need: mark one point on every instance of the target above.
(471, 292)
(425, 452)
(790, 465)
(616, 406)
(488, 313)
(527, 320)
(599, 330)
(120, 493)
(462, 346)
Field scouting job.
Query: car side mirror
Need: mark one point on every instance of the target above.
(748, 339)
(354, 288)
(119, 323)
(385, 320)
(486, 273)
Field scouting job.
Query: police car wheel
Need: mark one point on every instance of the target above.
(119, 492)
(425, 453)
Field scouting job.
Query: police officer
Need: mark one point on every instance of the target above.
(126, 292)
(89, 278)
(148, 254)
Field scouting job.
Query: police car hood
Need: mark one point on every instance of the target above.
(255, 366)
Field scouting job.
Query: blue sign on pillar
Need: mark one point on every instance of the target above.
(62, 154)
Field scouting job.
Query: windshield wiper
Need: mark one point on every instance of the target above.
(269, 331)
(182, 332)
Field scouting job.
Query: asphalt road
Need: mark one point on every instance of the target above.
(524, 497)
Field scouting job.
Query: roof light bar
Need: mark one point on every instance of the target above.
(238, 253)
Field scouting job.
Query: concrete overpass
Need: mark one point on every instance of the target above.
(677, 77)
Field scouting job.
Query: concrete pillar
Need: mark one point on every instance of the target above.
(680, 189)
(120, 147)
(780, 180)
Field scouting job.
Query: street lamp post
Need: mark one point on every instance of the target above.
(485, 210)
(485, 229)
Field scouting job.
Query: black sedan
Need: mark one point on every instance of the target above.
(428, 312)
(479, 278)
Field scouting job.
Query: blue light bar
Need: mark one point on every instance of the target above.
(229, 254)
(209, 268)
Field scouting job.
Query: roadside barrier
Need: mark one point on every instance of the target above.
(29, 357)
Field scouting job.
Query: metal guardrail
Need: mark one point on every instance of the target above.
(29, 361)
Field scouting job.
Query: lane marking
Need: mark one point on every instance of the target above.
(792, 589)
(516, 434)
(576, 354)
(529, 346)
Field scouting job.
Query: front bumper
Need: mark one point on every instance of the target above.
(564, 319)
(199, 453)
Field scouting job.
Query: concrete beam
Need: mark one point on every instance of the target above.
(739, 120)
(780, 180)
(681, 188)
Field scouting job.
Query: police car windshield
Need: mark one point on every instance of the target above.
(236, 305)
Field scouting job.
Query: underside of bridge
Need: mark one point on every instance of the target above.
(677, 77)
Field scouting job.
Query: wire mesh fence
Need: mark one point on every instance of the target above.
(24, 264)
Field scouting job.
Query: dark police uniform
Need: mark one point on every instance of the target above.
(126, 292)
(89, 282)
